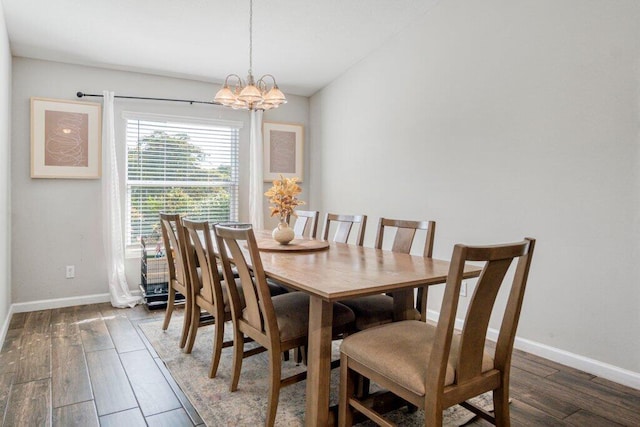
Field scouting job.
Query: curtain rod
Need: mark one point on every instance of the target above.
(81, 94)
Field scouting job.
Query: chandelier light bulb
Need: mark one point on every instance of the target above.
(275, 97)
(225, 96)
(250, 93)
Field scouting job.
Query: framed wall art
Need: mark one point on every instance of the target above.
(283, 150)
(65, 139)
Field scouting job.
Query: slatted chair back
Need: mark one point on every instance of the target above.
(306, 223)
(173, 235)
(258, 311)
(203, 255)
(405, 234)
(344, 224)
(174, 238)
(403, 242)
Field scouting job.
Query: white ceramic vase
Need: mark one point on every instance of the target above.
(283, 234)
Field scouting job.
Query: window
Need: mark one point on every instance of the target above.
(179, 165)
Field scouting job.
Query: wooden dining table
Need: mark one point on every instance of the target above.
(340, 272)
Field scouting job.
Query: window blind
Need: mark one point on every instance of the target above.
(175, 167)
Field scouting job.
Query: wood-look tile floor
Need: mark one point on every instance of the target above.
(87, 366)
(91, 365)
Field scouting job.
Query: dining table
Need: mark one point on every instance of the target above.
(337, 271)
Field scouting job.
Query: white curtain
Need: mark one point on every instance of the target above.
(256, 196)
(112, 219)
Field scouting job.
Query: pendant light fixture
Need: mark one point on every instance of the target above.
(261, 95)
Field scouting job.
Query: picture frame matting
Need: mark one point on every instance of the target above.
(283, 151)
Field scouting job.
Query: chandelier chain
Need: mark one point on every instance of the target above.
(250, 36)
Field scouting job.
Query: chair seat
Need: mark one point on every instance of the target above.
(377, 347)
(373, 310)
(292, 314)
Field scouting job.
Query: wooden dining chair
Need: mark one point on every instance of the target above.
(208, 293)
(278, 323)
(343, 226)
(374, 310)
(306, 223)
(173, 236)
(433, 367)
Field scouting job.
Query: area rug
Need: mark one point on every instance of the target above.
(247, 406)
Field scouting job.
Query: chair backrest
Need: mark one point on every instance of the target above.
(470, 350)
(174, 238)
(306, 223)
(259, 312)
(344, 223)
(202, 253)
(405, 233)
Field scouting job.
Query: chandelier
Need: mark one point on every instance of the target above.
(251, 95)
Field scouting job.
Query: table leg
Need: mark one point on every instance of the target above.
(318, 362)
(403, 304)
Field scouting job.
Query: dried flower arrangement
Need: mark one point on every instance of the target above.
(283, 197)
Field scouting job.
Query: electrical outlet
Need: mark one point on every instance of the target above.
(463, 289)
(71, 271)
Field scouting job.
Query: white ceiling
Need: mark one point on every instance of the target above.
(305, 44)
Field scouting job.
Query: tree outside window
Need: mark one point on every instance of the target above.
(179, 168)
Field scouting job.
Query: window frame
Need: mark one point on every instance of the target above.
(133, 249)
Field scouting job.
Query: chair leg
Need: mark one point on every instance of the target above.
(238, 350)
(300, 355)
(186, 323)
(218, 340)
(194, 324)
(363, 385)
(347, 389)
(423, 294)
(432, 411)
(501, 406)
(170, 306)
(275, 371)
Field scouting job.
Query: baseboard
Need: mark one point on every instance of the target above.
(5, 325)
(47, 304)
(592, 366)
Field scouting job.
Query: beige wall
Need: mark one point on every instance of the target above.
(502, 119)
(58, 222)
(5, 177)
